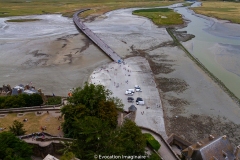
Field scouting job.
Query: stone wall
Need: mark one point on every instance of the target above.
(52, 148)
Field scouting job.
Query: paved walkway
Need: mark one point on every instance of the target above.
(103, 46)
(164, 150)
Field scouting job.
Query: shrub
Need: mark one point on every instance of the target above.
(152, 141)
(54, 100)
(22, 100)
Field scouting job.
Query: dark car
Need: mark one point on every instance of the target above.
(139, 99)
(130, 99)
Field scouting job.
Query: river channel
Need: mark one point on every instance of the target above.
(216, 45)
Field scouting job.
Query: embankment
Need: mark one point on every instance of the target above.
(211, 75)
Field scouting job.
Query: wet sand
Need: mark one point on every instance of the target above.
(54, 65)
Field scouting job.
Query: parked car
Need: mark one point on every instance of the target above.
(130, 93)
(140, 103)
(132, 90)
(139, 99)
(130, 99)
(138, 89)
(137, 86)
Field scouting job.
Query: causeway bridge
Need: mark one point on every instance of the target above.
(102, 45)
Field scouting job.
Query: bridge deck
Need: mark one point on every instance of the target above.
(103, 46)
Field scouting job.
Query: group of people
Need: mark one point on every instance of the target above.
(38, 135)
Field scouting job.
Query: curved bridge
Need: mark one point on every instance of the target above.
(103, 46)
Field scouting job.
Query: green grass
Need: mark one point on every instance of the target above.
(22, 20)
(68, 7)
(161, 16)
(152, 141)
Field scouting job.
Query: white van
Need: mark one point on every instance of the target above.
(140, 103)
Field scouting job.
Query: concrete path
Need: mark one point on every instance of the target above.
(164, 150)
(103, 46)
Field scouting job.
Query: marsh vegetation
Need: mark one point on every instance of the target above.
(222, 10)
(161, 16)
(67, 8)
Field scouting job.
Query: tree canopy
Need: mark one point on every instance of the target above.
(95, 137)
(21, 100)
(91, 119)
(17, 128)
(91, 100)
(12, 148)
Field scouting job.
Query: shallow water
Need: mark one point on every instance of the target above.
(216, 45)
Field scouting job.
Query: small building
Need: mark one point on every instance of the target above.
(131, 114)
(132, 108)
(212, 148)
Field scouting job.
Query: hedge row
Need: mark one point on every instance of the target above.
(22, 100)
(152, 141)
(54, 100)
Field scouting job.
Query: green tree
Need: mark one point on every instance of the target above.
(91, 100)
(26, 99)
(13, 102)
(132, 139)
(12, 148)
(17, 128)
(93, 136)
(71, 113)
(36, 99)
(90, 95)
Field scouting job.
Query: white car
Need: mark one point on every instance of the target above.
(129, 93)
(140, 102)
(137, 86)
(131, 90)
(138, 90)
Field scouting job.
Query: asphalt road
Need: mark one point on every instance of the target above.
(103, 46)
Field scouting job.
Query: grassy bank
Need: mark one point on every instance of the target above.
(211, 75)
(221, 10)
(22, 20)
(68, 7)
(161, 16)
